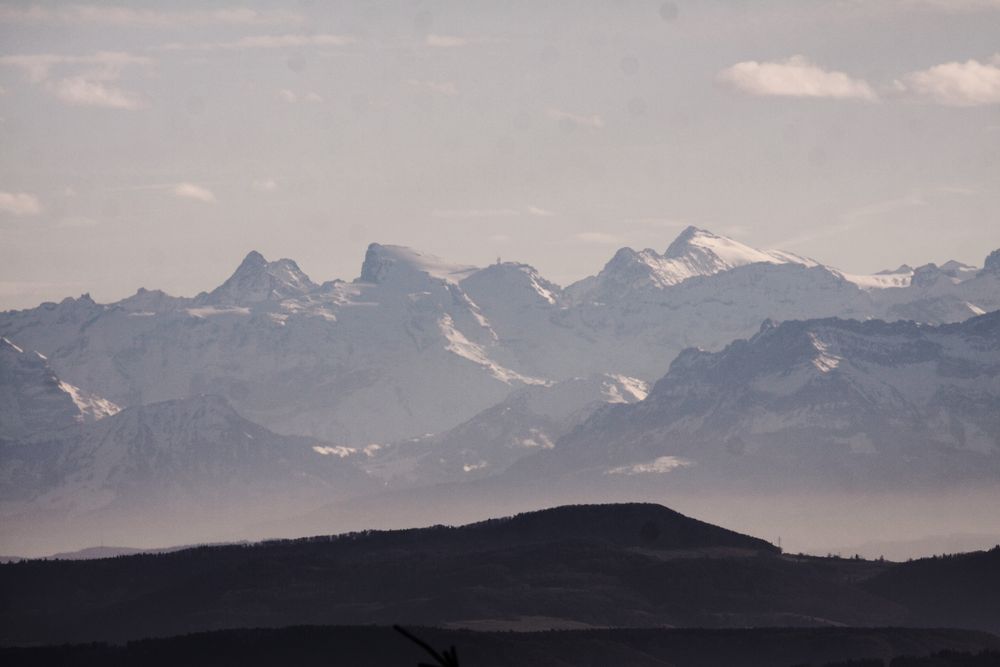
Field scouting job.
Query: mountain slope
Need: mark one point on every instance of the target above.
(33, 399)
(344, 362)
(180, 469)
(804, 402)
(529, 419)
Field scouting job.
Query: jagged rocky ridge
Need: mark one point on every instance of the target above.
(351, 362)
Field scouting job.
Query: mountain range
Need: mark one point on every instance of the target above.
(833, 402)
(273, 393)
(350, 361)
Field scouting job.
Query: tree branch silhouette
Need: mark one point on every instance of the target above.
(448, 659)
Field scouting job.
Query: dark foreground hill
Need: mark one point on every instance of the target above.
(381, 647)
(633, 565)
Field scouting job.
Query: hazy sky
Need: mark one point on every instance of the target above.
(154, 144)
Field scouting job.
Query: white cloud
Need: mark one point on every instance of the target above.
(490, 212)
(795, 77)
(265, 185)
(446, 88)
(446, 41)
(540, 212)
(453, 41)
(129, 16)
(292, 97)
(192, 191)
(264, 42)
(90, 84)
(659, 465)
(598, 238)
(83, 92)
(104, 65)
(473, 212)
(20, 203)
(584, 121)
(956, 84)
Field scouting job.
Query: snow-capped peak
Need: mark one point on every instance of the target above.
(257, 279)
(383, 261)
(704, 253)
(695, 252)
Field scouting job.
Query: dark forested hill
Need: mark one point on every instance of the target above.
(946, 590)
(634, 565)
(381, 647)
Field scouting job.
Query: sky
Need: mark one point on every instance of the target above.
(154, 143)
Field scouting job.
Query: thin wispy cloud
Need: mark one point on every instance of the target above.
(195, 192)
(265, 185)
(593, 120)
(540, 212)
(90, 81)
(446, 88)
(455, 41)
(879, 212)
(446, 41)
(292, 97)
(84, 92)
(794, 77)
(264, 42)
(474, 212)
(957, 84)
(103, 64)
(131, 16)
(20, 204)
(534, 211)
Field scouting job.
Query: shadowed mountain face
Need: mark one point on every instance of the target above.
(576, 566)
(33, 399)
(833, 402)
(183, 470)
(530, 419)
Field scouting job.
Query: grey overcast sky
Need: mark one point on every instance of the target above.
(153, 144)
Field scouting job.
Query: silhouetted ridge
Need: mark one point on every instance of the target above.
(626, 524)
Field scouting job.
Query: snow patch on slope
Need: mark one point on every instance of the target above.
(460, 345)
(824, 361)
(624, 389)
(381, 260)
(657, 466)
(92, 407)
